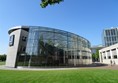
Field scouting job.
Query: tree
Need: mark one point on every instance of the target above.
(45, 3)
(3, 57)
(95, 56)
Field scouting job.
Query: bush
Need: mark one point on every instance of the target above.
(3, 57)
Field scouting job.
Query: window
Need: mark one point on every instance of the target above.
(109, 57)
(11, 40)
(106, 32)
(114, 38)
(24, 48)
(110, 43)
(109, 38)
(84, 57)
(114, 32)
(113, 49)
(115, 56)
(109, 32)
(89, 57)
(69, 57)
(104, 57)
(24, 38)
(72, 57)
(78, 57)
(108, 50)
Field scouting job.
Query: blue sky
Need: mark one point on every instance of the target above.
(86, 18)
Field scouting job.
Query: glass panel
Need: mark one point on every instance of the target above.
(52, 47)
(72, 44)
(60, 37)
(60, 44)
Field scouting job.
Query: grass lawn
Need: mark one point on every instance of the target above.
(60, 76)
(2, 63)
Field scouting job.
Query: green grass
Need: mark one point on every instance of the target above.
(60, 76)
(2, 63)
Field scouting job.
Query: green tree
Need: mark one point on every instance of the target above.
(45, 3)
(3, 57)
(95, 56)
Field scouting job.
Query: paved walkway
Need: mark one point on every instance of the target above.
(114, 67)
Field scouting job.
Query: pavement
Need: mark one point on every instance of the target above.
(94, 66)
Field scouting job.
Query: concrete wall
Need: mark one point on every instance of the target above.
(77, 62)
(109, 52)
(12, 50)
(18, 46)
(22, 43)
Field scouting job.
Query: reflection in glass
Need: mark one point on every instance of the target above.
(52, 47)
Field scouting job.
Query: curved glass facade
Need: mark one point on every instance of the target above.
(53, 47)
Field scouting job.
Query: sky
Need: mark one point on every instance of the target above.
(86, 18)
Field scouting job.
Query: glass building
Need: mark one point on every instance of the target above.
(43, 46)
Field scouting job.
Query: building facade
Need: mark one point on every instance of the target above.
(110, 36)
(109, 55)
(43, 46)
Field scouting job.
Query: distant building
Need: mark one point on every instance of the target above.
(110, 36)
(109, 54)
(94, 50)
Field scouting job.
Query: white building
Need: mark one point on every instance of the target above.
(109, 54)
